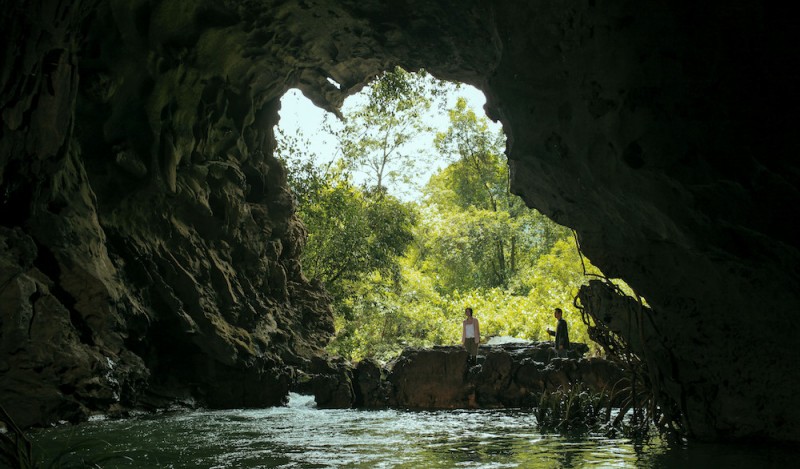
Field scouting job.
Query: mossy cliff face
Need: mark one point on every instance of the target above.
(150, 250)
(149, 242)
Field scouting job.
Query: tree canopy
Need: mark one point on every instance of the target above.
(400, 273)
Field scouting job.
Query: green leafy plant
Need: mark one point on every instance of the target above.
(401, 273)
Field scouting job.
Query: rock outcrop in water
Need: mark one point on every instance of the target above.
(149, 247)
(509, 375)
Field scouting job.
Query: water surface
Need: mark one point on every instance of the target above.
(301, 436)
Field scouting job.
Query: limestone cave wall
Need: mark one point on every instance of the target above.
(148, 244)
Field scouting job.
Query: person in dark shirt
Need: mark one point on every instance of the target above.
(561, 342)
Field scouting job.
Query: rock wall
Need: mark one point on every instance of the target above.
(150, 249)
(142, 209)
(659, 131)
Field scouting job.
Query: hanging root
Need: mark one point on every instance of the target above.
(639, 396)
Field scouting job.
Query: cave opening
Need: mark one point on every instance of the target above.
(410, 218)
(660, 135)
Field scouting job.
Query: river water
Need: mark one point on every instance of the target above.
(301, 436)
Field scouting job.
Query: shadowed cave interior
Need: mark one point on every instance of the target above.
(148, 243)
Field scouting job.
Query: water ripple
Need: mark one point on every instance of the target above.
(301, 436)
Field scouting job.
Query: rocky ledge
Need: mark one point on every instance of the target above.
(506, 375)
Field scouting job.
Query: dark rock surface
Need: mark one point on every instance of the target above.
(149, 228)
(332, 383)
(511, 375)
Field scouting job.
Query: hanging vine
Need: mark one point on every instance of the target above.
(641, 393)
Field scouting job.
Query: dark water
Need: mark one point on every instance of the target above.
(301, 436)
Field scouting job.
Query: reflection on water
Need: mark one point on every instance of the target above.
(301, 436)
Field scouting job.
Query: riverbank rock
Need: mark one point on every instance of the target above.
(510, 375)
(372, 387)
(429, 379)
(332, 383)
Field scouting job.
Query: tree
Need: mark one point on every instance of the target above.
(480, 247)
(400, 273)
(378, 134)
(481, 178)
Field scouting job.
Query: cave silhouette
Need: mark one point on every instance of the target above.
(136, 163)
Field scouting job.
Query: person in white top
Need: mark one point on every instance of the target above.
(470, 334)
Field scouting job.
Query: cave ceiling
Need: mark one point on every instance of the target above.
(140, 194)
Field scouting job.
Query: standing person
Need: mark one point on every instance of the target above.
(470, 335)
(561, 342)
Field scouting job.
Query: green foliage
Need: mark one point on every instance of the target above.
(484, 235)
(352, 233)
(400, 274)
(377, 134)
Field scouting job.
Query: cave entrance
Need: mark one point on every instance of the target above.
(410, 219)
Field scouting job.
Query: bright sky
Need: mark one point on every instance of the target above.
(299, 114)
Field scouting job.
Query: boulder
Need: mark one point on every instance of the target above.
(429, 379)
(442, 378)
